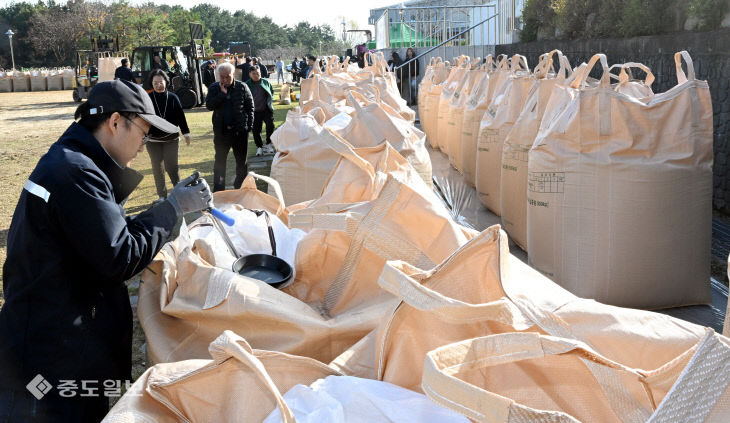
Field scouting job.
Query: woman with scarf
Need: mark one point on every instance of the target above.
(163, 148)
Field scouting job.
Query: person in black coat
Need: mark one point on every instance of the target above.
(295, 77)
(66, 326)
(163, 148)
(410, 78)
(232, 105)
(124, 72)
(262, 67)
(245, 67)
(208, 73)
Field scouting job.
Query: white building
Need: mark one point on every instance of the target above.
(426, 23)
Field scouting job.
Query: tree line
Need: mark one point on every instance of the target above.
(48, 33)
(582, 19)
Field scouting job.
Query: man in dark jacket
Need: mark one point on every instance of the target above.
(262, 67)
(245, 66)
(232, 106)
(295, 71)
(304, 67)
(123, 72)
(208, 73)
(263, 106)
(66, 326)
(160, 63)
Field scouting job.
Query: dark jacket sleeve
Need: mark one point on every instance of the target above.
(96, 228)
(178, 117)
(215, 96)
(248, 106)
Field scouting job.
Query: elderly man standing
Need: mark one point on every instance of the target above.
(232, 105)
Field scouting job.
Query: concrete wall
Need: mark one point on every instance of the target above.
(710, 52)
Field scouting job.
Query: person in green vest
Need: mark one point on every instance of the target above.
(263, 109)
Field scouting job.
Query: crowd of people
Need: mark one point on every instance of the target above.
(239, 108)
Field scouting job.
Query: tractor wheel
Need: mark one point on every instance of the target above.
(187, 97)
(77, 97)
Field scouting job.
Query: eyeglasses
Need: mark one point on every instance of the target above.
(145, 138)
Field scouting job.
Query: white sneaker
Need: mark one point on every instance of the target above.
(269, 149)
(259, 152)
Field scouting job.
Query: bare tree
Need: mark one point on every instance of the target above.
(56, 31)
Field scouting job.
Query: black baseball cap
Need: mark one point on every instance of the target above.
(126, 96)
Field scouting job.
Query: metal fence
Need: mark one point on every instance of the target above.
(469, 33)
(423, 25)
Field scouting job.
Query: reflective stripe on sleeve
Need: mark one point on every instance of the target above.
(37, 190)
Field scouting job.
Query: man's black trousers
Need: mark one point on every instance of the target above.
(260, 118)
(224, 140)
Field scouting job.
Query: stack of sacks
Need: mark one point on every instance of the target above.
(242, 384)
(373, 209)
(39, 80)
(365, 117)
(476, 106)
(620, 189)
(6, 81)
(306, 153)
(108, 67)
(329, 106)
(21, 82)
(450, 87)
(478, 332)
(334, 83)
(429, 94)
(55, 80)
(513, 179)
(375, 122)
(385, 81)
(513, 201)
(455, 115)
(494, 127)
(68, 79)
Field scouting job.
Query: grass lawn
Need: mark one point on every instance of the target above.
(31, 122)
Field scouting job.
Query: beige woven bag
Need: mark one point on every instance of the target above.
(450, 87)
(513, 180)
(481, 290)
(455, 117)
(304, 157)
(496, 123)
(239, 384)
(617, 184)
(527, 377)
(339, 261)
(372, 124)
(361, 173)
(428, 109)
(474, 110)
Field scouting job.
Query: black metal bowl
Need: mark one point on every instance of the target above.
(264, 267)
